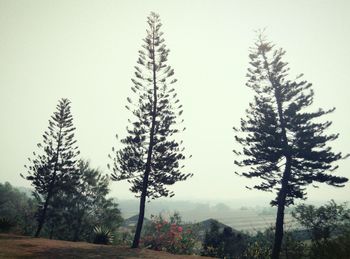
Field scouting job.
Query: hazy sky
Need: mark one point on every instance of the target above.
(86, 51)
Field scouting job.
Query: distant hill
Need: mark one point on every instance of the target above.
(132, 221)
(247, 218)
(205, 225)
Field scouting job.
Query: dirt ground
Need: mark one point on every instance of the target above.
(13, 246)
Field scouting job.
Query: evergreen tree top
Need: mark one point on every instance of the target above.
(150, 147)
(55, 165)
(280, 126)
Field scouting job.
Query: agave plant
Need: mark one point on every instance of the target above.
(102, 235)
(5, 224)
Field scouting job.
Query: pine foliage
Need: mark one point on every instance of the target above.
(280, 127)
(54, 167)
(151, 135)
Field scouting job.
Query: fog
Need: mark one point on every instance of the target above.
(86, 51)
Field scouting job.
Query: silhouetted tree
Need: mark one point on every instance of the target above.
(284, 143)
(74, 212)
(212, 243)
(150, 158)
(223, 242)
(55, 167)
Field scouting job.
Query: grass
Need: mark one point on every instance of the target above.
(14, 246)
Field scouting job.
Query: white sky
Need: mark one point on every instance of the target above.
(86, 51)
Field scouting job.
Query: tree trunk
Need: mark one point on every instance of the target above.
(51, 230)
(42, 217)
(281, 202)
(137, 236)
(77, 230)
(41, 220)
(281, 198)
(278, 231)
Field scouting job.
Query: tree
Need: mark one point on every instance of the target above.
(87, 198)
(323, 222)
(284, 143)
(91, 207)
(151, 156)
(17, 209)
(55, 167)
(223, 242)
(212, 242)
(75, 212)
(329, 228)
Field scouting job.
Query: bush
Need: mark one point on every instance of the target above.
(123, 238)
(260, 245)
(170, 236)
(293, 247)
(256, 251)
(335, 248)
(223, 243)
(6, 225)
(329, 229)
(17, 210)
(102, 236)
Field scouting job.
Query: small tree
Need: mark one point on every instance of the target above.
(75, 212)
(55, 168)
(284, 143)
(329, 228)
(223, 243)
(323, 222)
(88, 199)
(170, 235)
(150, 159)
(17, 208)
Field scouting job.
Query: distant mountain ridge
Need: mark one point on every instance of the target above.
(247, 218)
(132, 221)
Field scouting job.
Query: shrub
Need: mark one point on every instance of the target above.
(102, 236)
(18, 209)
(223, 242)
(123, 238)
(260, 245)
(335, 248)
(6, 224)
(293, 247)
(257, 251)
(170, 236)
(329, 229)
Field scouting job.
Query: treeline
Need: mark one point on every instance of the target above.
(72, 214)
(17, 210)
(324, 233)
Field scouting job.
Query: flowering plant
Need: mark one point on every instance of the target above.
(169, 235)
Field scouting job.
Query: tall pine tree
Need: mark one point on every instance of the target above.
(151, 156)
(54, 168)
(284, 143)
